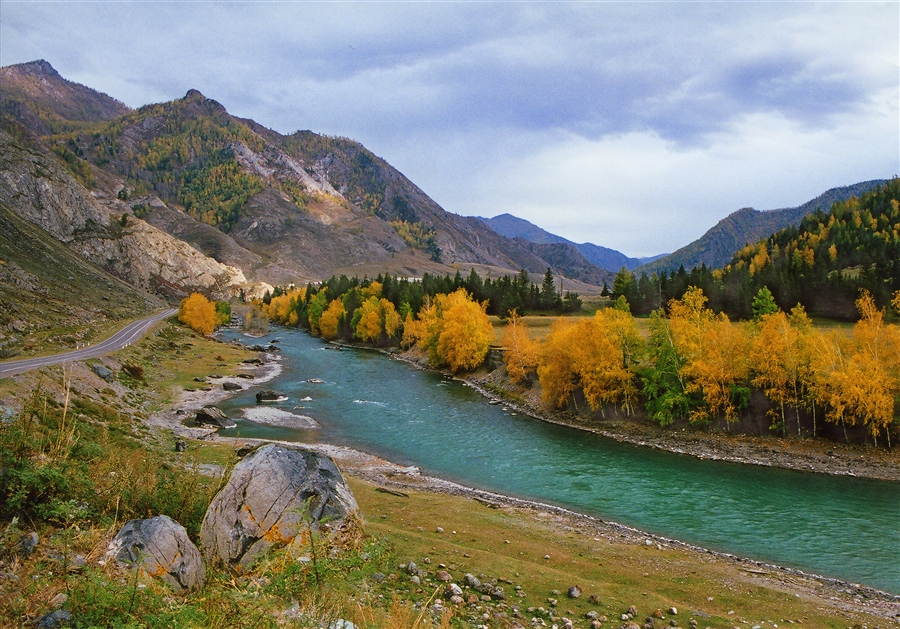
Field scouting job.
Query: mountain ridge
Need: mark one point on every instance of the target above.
(721, 242)
(287, 208)
(512, 226)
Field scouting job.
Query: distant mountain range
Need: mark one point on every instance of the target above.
(715, 248)
(518, 228)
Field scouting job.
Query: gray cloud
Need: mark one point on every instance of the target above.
(481, 103)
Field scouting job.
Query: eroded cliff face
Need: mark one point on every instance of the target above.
(36, 186)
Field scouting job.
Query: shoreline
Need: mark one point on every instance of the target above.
(805, 455)
(381, 472)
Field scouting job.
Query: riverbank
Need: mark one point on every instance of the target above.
(841, 597)
(805, 455)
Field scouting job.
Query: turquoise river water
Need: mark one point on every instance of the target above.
(843, 527)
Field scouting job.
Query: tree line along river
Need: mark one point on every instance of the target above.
(837, 526)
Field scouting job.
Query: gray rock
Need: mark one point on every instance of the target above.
(268, 396)
(28, 543)
(180, 445)
(412, 568)
(471, 580)
(103, 372)
(161, 548)
(232, 386)
(574, 591)
(452, 590)
(59, 618)
(213, 416)
(273, 494)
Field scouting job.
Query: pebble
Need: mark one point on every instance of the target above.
(439, 529)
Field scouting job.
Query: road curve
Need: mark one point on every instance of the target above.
(126, 336)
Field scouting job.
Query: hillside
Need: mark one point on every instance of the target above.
(717, 246)
(515, 227)
(50, 297)
(38, 97)
(826, 260)
(37, 186)
(279, 208)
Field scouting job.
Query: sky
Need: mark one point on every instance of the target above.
(632, 125)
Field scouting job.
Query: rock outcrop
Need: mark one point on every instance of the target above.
(214, 416)
(160, 547)
(40, 190)
(274, 494)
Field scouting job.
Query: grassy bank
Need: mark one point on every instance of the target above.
(84, 459)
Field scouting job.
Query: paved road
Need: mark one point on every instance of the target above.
(126, 336)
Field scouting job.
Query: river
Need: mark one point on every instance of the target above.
(842, 527)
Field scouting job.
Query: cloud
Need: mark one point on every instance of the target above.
(634, 124)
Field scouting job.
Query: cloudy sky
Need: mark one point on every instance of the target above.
(633, 125)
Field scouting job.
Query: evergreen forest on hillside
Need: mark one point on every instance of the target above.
(822, 264)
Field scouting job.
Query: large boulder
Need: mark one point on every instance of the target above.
(274, 494)
(214, 416)
(161, 548)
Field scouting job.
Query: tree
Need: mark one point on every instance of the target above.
(550, 299)
(665, 386)
(466, 332)
(452, 330)
(780, 365)
(330, 320)
(521, 352)
(763, 304)
(199, 313)
(715, 354)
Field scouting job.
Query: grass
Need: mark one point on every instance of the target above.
(123, 470)
(512, 545)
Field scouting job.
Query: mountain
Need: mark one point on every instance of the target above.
(515, 227)
(278, 208)
(49, 293)
(718, 245)
(823, 262)
(38, 97)
(38, 188)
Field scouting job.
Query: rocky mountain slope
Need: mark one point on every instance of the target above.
(717, 246)
(280, 208)
(50, 297)
(515, 227)
(35, 185)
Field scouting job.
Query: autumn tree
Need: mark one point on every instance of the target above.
(556, 369)
(520, 351)
(199, 313)
(331, 319)
(466, 332)
(597, 355)
(453, 330)
(376, 318)
(715, 353)
(781, 363)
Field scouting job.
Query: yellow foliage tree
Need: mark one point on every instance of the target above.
(466, 332)
(715, 353)
(556, 370)
(331, 319)
(781, 363)
(597, 355)
(452, 330)
(520, 351)
(199, 313)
